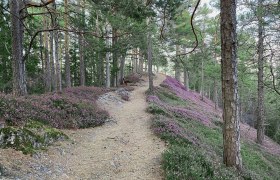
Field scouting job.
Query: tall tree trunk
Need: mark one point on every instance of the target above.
(58, 67)
(67, 58)
(19, 80)
(108, 74)
(260, 108)
(42, 52)
(52, 61)
(215, 94)
(141, 62)
(115, 58)
(82, 62)
(177, 65)
(122, 66)
(202, 79)
(81, 43)
(150, 60)
(186, 77)
(57, 77)
(231, 130)
(47, 74)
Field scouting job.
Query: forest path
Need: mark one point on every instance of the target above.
(124, 148)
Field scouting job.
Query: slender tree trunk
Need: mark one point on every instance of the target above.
(47, 74)
(108, 74)
(58, 67)
(57, 77)
(42, 52)
(52, 63)
(67, 58)
(141, 63)
(115, 58)
(122, 68)
(150, 60)
(260, 108)
(231, 130)
(177, 65)
(81, 44)
(202, 79)
(215, 94)
(186, 77)
(82, 62)
(18, 65)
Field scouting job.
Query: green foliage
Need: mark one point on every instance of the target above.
(186, 162)
(170, 97)
(155, 109)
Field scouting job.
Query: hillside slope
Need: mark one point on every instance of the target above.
(193, 128)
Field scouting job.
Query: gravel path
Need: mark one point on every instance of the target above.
(123, 148)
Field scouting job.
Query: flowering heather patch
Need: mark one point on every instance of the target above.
(73, 108)
(179, 111)
(163, 125)
(203, 110)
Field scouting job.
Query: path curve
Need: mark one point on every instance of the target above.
(122, 149)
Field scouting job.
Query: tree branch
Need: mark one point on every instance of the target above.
(193, 30)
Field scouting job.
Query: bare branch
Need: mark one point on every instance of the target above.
(193, 30)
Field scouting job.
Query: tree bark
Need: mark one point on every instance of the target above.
(108, 74)
(141, 62)
(186, 77)
(52, 61)
(177, 65)
(202, 79)
(81, 47)
(67, 58)
(231, 129)
(47, 72)
(122, 66)
(57, 62)
(215, 94)
(150, 60)
(260, 108)
(18, 65)
(115, 58)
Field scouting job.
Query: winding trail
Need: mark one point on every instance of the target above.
(124, 148)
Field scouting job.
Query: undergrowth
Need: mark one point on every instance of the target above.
(195, 148)
(73, 108)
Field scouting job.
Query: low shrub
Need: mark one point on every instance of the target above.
(73, 108)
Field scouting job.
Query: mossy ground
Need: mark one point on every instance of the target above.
(33, 136)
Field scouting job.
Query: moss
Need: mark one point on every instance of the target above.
(30, 138)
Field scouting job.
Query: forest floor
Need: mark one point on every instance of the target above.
(123, 148)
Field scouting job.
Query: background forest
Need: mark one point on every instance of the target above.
(97, 43)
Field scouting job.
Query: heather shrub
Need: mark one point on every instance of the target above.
(73, 108)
